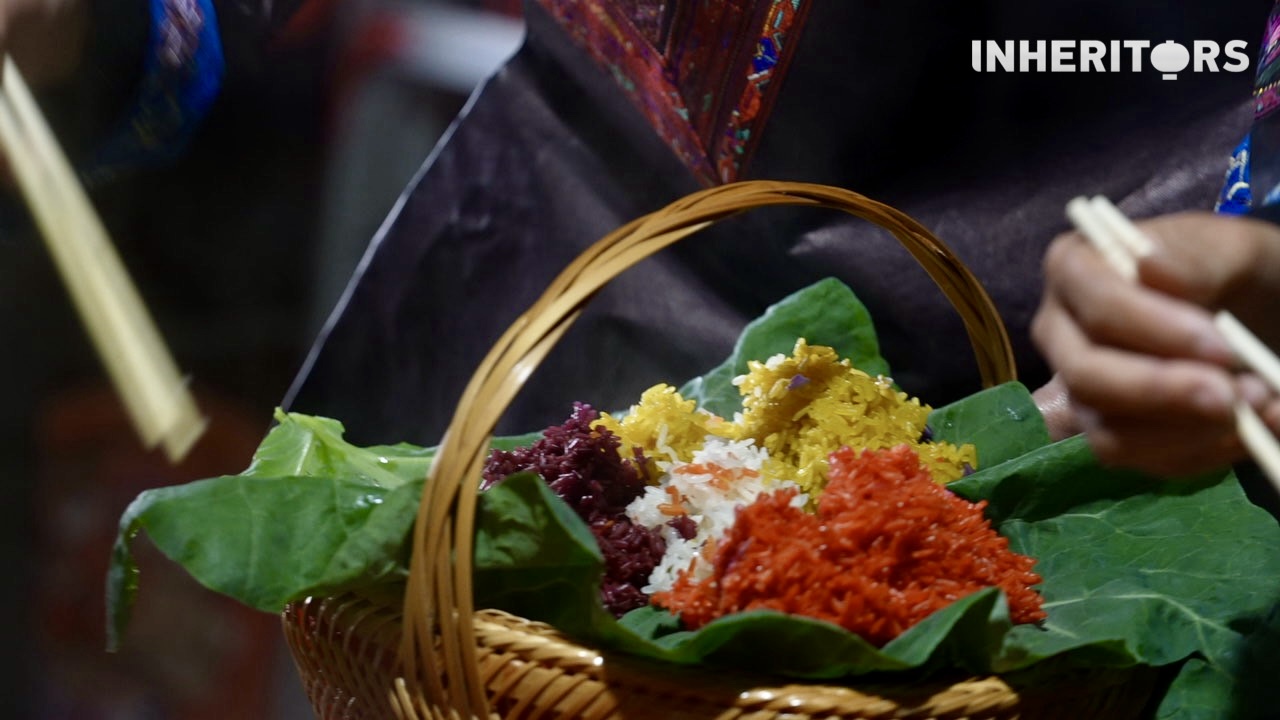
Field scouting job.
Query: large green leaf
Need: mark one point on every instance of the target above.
(1138, 570)
(305, 445)
(959, 635)
(311, 514)
(534, 556)
(233, 536)
(1002, 422)
(825, 313)
(801, 647)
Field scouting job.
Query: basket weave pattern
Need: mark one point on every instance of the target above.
(437, 657)
(345, 648)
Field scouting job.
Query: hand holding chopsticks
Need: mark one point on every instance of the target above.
(154, 393)
(1123, 245)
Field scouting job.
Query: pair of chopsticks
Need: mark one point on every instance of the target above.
(1122, 244)
(143, 372)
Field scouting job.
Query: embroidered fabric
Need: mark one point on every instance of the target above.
(704, 74)
(1255, 163)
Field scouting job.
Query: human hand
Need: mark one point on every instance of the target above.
(1147, 377)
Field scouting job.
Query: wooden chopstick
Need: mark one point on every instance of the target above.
(1252, 352)
(1095, 229)
(1122, 244)
(125, 336)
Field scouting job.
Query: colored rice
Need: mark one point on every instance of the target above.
(711, 517)
(666, 427)
(887, 547)
(720, 477)
(582, 465)
(804, 407)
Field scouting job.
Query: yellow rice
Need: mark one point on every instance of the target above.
(804, 407)
(799, 409)
(668, 428)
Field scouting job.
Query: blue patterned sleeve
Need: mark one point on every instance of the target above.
(1236, 197)
(182, 74)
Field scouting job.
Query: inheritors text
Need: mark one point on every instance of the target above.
(1070, 56)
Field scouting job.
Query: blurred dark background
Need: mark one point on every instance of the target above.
(240, 247)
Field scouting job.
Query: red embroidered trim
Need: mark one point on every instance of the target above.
(704, 74)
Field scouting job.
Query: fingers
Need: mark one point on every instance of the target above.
(1146, 374)
(1145, 370)
(1270, 414)
(1055, 405)
(1112, 311)
(1115, 381)
(1264, 399)
(1159, 447)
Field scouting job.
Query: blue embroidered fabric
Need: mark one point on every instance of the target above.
(182, 75)
(1237, 195)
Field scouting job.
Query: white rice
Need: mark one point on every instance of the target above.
(711, 508)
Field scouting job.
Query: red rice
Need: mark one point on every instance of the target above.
(887, 547)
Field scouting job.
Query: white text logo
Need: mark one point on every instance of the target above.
(1069, 56)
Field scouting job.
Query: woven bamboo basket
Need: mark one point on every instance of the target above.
(428, 653)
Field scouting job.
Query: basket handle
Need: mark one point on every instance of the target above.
(438, 603)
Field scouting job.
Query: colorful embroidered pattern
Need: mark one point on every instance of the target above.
(736, 141)
(704, 74)
(1263, 140)
(1267, 94)
(1270, 50)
